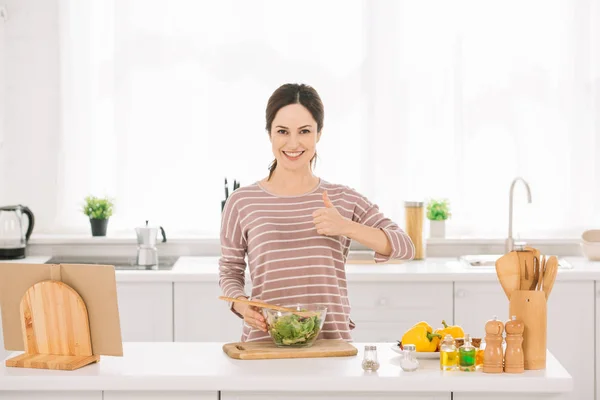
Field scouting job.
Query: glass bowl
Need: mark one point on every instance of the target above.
(292, 330)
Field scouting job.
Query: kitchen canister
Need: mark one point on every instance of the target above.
(414, 215)
(529, 306)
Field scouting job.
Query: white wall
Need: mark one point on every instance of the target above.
(29, 104)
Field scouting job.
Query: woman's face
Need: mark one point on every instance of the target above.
(294, 137)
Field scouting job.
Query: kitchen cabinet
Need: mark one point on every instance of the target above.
(201, 317)
(513, 396)
(3, 353)
(597, 340)
(43, 395)
(327, 396)
(171, 395)
(146, 311)
(383, 311)
(569, 306)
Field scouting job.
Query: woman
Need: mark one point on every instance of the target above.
(296, 228)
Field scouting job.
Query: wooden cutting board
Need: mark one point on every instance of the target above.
(265, 350)
(55, 329)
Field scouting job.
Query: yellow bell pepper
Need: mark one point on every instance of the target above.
(454, 330)
(424, 340)
(425, 324)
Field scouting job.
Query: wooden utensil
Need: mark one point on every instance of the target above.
(530, 307)
(262, 304)
(526, 267)
(540, 284)
(263, 350)
(536, 273)
(550, 274)
(507, 269)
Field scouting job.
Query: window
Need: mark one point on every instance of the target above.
(163, 100)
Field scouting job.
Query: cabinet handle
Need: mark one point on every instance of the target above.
(461, 293)
(382, 301)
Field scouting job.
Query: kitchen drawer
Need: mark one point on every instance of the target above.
(403, 303)
(47, 395)
(332, 396)
(159, 395)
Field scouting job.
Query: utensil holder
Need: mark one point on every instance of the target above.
(530, 307)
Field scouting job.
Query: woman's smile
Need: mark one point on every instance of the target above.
(293, 155)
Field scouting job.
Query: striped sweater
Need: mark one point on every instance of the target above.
(288, 261)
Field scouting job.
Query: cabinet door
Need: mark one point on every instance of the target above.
(477, 302)
(3, 353)
(42, 395)
(201, 317)
(336, 396)
(160, 395)
(597, 340)
(146, 311)
(383, 311)
(512, 396)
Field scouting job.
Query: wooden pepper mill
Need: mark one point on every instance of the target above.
(493, 354)
(514, 360)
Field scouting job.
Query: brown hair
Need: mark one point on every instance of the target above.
(292, 93)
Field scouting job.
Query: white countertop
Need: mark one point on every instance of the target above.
(206, 269)
(204, 367)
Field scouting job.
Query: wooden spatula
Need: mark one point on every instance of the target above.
(507, 269)
(550, 274)
(262, 304)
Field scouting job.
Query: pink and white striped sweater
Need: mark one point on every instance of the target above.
(289, 262)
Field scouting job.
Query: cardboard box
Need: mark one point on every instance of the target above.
(96, 284)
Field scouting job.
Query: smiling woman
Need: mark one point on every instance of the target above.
(295, 228)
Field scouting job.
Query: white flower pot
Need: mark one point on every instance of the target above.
(437, 229)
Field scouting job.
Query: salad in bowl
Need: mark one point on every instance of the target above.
(289, 329)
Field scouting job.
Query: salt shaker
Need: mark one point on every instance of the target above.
(514, 361)
(409, 362)
(370, 361)
(493, 354)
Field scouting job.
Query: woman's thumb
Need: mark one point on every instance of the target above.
(326, 200)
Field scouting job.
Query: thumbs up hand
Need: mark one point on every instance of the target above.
(328, 221)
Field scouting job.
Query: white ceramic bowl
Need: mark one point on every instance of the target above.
(590, 244)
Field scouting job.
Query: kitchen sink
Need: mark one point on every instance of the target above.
(120, 263)
(489, 260)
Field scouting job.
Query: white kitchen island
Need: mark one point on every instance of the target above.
(201, 371)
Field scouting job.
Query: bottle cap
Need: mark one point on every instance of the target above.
(448, 339)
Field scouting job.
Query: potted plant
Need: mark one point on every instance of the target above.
(98, 211)
(438, 211)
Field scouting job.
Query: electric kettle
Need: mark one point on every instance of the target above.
(13, 236)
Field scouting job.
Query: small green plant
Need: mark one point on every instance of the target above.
(98, 208)
(438, 210)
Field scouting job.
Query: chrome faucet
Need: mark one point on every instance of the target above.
(510, 243)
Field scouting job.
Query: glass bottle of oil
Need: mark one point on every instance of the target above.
(448, 354)
(467, 355)
(479, 356)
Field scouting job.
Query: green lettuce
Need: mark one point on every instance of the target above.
(294, 329)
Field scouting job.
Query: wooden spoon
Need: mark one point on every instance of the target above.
(262, 304)
(509, 275)
(550, 274)
(540, 285)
